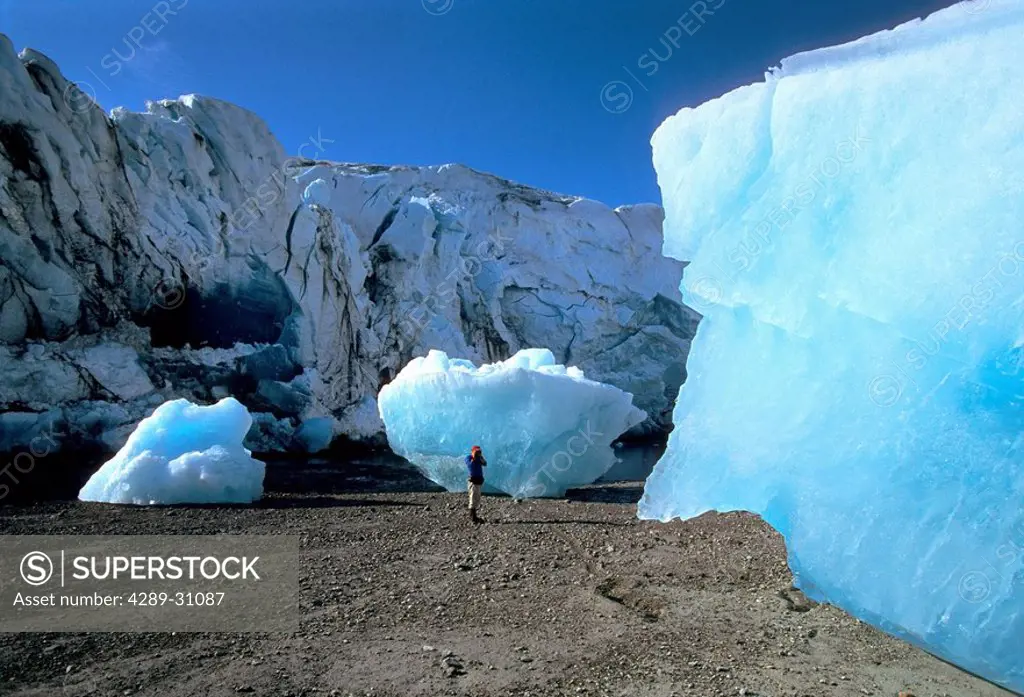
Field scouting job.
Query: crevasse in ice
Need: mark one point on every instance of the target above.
(182, 453)
(855, 226)
(543, 427)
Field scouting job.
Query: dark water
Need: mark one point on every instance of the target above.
(386, 471)
(635, 463)
(337, 474)
(59, 477)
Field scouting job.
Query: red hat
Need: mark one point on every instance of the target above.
(475, 449)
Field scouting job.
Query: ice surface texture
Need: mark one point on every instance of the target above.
(854, 226)
(543, 427)
(183, 453)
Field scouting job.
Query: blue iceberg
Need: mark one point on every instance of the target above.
(182, 453)
(543, 427)
(854, 225)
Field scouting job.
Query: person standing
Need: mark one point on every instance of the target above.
(475, 464)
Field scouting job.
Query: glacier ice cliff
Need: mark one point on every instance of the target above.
(543, 427)
(858, 255)
(180, 253)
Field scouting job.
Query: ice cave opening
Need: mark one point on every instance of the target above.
(221, 316)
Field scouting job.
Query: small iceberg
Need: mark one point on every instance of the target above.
(182, 453)
(543, 427)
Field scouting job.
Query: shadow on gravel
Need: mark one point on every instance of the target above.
(604, 523)
(330, 502)
(607, 494)
(271, 502)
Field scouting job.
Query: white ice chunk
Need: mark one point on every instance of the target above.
(318, 191)
(543, 429)
(183, 453)
(854, 231)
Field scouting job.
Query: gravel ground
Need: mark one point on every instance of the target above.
(402, 596)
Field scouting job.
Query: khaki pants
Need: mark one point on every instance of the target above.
(474, 495)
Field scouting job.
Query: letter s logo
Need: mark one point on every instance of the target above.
(616, 97)
(36, 568)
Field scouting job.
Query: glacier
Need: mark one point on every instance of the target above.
(182, 453)
(200, 260)
(543, 427)
(854, 226)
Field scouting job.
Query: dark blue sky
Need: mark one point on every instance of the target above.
(512, 87)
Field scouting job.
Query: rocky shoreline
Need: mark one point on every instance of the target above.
(401, 596)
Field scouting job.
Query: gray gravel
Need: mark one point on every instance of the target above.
(403, 596)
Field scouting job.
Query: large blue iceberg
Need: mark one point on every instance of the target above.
(182, 453)
(543, 427)
(855, 226)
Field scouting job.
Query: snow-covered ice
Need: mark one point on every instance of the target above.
(318, 192)
(854, 230)
(182, 453)
(543, 427)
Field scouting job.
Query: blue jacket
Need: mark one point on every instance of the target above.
(475, 467)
